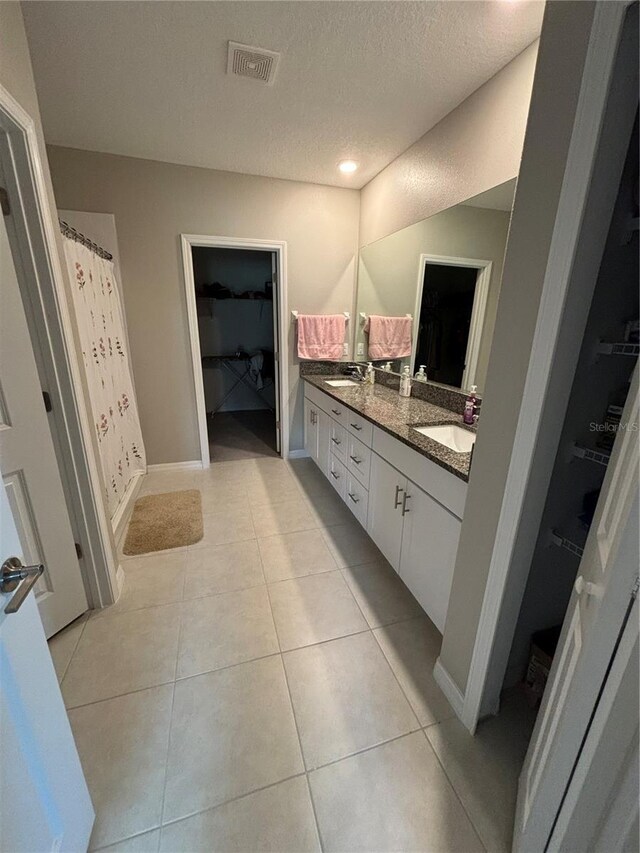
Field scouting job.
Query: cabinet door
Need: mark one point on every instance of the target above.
(429, 544)
(311, 429)
(324, 441)
(384, 517)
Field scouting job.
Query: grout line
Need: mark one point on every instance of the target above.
(454, 789)
(166, 758)
(86, 616)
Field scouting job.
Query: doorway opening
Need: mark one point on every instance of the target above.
(450, 309)
(234, 296)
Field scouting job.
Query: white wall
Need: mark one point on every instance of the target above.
(474, 148)
(153, 204)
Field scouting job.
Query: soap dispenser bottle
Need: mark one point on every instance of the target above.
(470, 407)
(421, 375)
(405, 382)
(370, 374)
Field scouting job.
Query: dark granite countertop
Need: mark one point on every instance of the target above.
(396, 415)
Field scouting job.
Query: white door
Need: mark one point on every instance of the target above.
(603, 592)
(28, 463)
(44, 800)
(429, 545)
(276, 346)
(384, 520)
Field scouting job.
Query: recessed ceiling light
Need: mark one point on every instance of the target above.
(347, 166)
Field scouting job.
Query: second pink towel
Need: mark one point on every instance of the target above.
(389, 337)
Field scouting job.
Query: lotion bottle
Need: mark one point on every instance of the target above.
(421, 375)
(370, 375)
(405, 382)
(470, 407)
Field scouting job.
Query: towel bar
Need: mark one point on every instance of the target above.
(294, 315)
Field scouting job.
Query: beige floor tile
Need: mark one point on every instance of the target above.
(276, 820)
(412, 649)
(223, 568)
(345, 698)
(484, 768)
(226, 498)
(350, 545)
(391, 798)
(309, 478)
(117, 654)
(313, 609)
(328, 509)
(221, 630)
(295, 555)
(276, 519)
(221, 528)
(232, 732)
(123, 749)
(147, 842)
(64, 643)
(260, 494)
(150, 581)
(382, 596)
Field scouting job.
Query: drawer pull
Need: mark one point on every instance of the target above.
(354, 498)
(335, 476)
(356, 427)
(337, 412)
(356, 460)
(336, 440)
(398, 501)
(405, 509)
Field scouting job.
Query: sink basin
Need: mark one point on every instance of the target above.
(340, 383)
(452, 436)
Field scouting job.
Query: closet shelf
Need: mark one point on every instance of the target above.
(568, 545)
(618, 349)
(596, 456)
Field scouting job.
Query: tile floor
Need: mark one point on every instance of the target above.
(270, 689)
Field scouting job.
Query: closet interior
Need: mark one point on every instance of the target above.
(237, 327)
(594, 418)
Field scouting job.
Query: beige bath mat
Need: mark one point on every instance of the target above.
(159, 522)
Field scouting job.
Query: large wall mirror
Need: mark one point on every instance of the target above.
(445, 273)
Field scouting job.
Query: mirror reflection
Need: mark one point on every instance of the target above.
(428, 294)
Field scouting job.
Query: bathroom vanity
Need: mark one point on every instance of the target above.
(406, 489)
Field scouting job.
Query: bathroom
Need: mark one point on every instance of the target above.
(301, 614)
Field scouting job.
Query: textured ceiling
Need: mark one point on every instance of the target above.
(360, 80)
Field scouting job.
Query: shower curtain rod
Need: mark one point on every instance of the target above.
(67, 231)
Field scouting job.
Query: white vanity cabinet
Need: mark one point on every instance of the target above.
(410, 506)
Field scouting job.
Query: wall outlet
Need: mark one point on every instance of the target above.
(360, 349)
(345, 349)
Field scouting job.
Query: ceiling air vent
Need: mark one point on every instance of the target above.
(254, 62)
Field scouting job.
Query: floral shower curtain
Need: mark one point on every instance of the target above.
(100, 319)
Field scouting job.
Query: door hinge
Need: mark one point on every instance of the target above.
(277, 424)
(79, 554)
(47, 401)
(5, 204)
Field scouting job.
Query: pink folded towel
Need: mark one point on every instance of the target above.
(321, 336)
(389, 337)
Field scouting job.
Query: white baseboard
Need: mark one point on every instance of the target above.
(175, 466)
(450, 689)
(123, 512)
(119, 580)
(297, 454)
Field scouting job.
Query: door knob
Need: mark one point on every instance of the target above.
(16, 576)
(581, 586)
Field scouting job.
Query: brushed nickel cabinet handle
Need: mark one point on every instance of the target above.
(356, 427)
(336, 440)
(335, 476)
(406, 497)
(356, 460)
(398, 501)
(337, 412)
(354, 498)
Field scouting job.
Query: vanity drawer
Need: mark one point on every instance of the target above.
(360, 427)
(357, 499)
(359, 460)
(337, 475)
(338, 440)
(338, 412)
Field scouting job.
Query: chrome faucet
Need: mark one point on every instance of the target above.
(355, 371)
